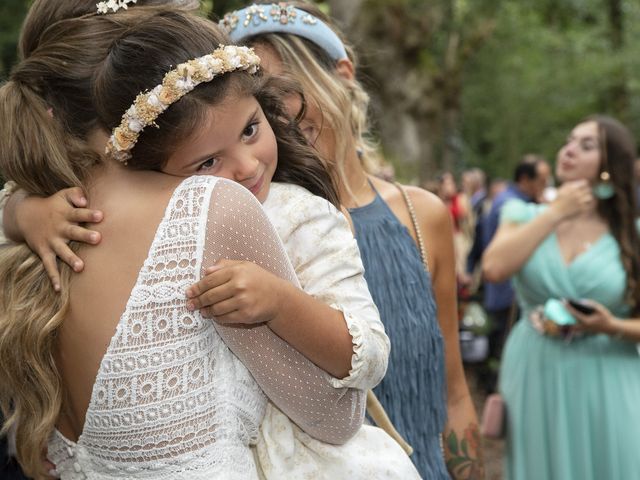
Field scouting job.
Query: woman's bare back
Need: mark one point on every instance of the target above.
(133, 205)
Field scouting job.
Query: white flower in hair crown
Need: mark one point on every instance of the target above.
(176, 83)
(113, 5)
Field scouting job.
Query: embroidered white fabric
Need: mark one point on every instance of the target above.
(170, 399)
(295, 385)
(326, 259)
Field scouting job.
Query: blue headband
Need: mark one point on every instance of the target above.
(281, 18)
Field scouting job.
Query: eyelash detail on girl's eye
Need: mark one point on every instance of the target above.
(586, 146)
(255, 124)
(208, 164)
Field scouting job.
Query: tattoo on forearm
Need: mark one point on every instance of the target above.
(464, 456)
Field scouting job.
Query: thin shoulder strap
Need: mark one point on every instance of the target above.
(416, 226)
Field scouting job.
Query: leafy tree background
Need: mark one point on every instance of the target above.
(460, 83)
(12, 13)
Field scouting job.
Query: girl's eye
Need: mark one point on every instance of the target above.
(250, 131)
(207, 164)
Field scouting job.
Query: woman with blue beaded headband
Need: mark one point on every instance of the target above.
(424, 391)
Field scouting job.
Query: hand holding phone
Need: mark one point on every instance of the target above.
(581, 306)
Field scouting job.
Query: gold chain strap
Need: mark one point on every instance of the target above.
(423, 254)
(416, 227)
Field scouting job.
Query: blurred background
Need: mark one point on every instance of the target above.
(458, 84)
(464, 83)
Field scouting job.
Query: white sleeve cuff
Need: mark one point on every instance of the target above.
(370, 355)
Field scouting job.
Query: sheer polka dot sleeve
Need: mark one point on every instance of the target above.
(238, 229)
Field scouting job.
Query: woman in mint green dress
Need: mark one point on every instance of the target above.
(571, 381)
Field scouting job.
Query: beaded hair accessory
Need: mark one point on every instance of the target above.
(176, 83)
(113, 5)
(282, 18)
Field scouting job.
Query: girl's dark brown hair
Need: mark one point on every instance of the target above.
(618, 154)
(48, 104)
(139, 59)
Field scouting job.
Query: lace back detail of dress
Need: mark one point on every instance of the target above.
(164, 401)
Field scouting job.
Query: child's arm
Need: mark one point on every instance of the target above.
(48, 224)
(241, 292)
(5, 194)
(301, 390)
(336, 305)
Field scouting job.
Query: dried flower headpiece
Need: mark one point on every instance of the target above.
(176, 83)
(113, 5)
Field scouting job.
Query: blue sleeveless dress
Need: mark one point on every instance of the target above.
(413, 392)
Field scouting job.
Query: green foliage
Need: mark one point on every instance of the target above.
(11, 14)
(219, 7)
(548, 65)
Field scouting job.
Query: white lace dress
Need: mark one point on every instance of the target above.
(170, 400)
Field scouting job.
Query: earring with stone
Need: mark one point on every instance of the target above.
(604, 190)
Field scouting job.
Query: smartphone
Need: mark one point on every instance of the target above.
(581, 306)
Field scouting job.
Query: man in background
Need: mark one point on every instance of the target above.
(530, 178)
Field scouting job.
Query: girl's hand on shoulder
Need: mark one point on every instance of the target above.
(49, 224)
(237, 292)
(600, 321)
(572, 199)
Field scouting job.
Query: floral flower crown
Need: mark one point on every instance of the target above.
(176, 83)
(113, 5)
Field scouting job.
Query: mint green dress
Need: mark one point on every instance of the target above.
(573, 409)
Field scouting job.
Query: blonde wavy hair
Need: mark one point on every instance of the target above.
(343, 103)
(44, 155)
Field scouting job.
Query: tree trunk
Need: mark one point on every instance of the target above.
(412, 57)
(345, 12)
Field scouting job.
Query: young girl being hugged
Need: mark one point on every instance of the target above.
(235, 138)
(404, 234)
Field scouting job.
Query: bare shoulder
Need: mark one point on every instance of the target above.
(428, 206)
(431, 212)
